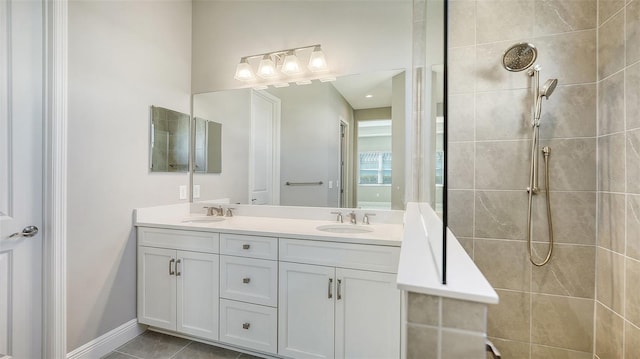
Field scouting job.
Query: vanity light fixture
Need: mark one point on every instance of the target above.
(284, 67)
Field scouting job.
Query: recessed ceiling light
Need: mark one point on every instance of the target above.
(369, 96)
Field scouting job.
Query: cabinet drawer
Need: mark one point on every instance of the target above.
(177, 239)
(345, 255)
(249, 246)
(250, 280)
(249, 325)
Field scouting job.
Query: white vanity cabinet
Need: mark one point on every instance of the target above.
(329, 311)
(178, 289)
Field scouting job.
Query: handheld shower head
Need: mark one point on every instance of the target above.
(519, 57)
(548, 87)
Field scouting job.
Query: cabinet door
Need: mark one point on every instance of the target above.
(197, 294)
(157, 287)
(367, 315)
(306, 311)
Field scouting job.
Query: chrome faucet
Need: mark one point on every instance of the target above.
(352, 218)
(365, 218)
(339, 216)
(215, 211)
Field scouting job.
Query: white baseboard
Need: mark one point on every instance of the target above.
(108, 342)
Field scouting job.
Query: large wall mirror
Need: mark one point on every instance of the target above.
(355, 142)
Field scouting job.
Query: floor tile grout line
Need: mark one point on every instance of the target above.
(181, 349)
(127, 354)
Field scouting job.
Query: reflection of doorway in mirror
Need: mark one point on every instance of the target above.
(343, 165)
(374, 164)
(264, 154)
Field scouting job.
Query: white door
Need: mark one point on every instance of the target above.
(21, 122)
(157, 287)
(264, 155)
(306, 311)
(367, 315)
(197, 302)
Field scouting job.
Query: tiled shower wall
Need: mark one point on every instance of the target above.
(618, 251)
(544, 312)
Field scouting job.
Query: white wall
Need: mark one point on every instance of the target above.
(356, 36)
(123, 57)
(233, 110)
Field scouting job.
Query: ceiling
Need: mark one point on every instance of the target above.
(355, 88)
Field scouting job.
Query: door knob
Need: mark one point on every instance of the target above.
(28, 231)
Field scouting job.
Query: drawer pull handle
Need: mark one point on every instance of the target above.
(246, 280)
(246, 325)
(246, 246)
(171, 271)
(178, 273)
(339, 291)
(330, 293)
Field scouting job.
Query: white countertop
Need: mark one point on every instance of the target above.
(173, 217)
(418, 271)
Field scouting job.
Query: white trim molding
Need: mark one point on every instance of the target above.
(55, 179)
(108, 342)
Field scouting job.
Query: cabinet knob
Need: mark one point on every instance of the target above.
(246, 325)
(246, 280)
(246, 246)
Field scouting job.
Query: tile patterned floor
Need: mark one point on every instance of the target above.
(152, 345)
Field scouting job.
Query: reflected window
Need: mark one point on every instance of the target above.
(375, 167)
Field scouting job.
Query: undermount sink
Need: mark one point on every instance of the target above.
(203, 220)
(344, 228)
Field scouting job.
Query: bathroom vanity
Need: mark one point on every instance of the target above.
(273, 281)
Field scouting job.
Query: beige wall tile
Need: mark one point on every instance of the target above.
(572, 164)
(569, 112)
(633, 32)
(611, 54)
(607, 8)
(505, 264)
(457, 345)
(632, 292)
(462, 23)
(502, 165)
(467, 244)
(511, 349)
(633, 226)
(460, 209)
(461, 67)
(461, 122)
(504, 20)
(461, 314)
(632, 95)
(422, 342)
(461, 163)
(511, 317)
(611, 221)
(544, 352)
(611, 104)
(609, 333)
(573, 215)
(503, 115)
(632, 341)
(569, 57)
(633, 161)
(610, 279)
(562, 322)
(500, 214)
(611, 173)
(555, 16)
(570, 271)
(423, 309)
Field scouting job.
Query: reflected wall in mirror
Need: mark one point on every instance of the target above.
(207, 146)
(338, 144)
(169, 141)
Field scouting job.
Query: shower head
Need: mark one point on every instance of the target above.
(519, 57)
(548, 87)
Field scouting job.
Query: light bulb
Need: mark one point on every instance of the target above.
(267, 68)
(244, 72)
(291, 65)
(317, 62)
